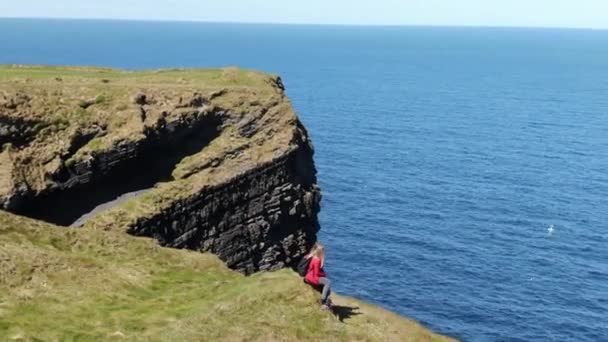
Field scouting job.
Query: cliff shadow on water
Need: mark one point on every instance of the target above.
(131, 170)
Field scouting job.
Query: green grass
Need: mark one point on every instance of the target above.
(108, 77)
(88, 285)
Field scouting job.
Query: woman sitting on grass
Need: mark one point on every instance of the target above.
(316, 275)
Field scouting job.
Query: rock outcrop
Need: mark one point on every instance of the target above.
(217, 159)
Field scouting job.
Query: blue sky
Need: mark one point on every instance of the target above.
(545, 13)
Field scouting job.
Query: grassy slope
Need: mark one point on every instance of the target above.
(65, 284)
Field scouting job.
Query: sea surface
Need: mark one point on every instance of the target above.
(464, 170)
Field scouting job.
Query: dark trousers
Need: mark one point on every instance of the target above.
(324, 287)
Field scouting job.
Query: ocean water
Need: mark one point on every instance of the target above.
(464, 170)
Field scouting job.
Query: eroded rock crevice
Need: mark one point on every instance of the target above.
(131, 166)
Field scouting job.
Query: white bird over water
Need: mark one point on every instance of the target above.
(550, 230)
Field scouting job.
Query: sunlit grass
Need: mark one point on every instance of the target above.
(65, 284)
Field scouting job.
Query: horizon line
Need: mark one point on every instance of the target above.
(202, 21)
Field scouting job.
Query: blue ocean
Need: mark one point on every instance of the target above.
(464, 170)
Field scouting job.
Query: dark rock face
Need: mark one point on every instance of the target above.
(264, 220)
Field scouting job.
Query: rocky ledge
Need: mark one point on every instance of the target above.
(208, 160)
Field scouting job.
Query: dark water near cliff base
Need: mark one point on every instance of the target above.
(445, 155)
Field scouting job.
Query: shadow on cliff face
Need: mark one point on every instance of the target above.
(113, 176)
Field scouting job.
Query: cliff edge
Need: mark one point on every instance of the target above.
(198, 160)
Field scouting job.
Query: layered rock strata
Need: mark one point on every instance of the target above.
(218, 158)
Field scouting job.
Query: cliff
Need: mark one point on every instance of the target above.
(209, 160)
(197, 160)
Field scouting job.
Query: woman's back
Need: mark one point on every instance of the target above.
(315, 270)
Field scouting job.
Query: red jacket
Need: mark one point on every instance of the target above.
(315, 271)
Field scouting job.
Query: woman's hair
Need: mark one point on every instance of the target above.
(317, 250)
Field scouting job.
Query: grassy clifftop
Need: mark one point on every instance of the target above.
(224, 165)
(67, 115)
(82, 284)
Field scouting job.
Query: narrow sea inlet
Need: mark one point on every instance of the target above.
(464, 170)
